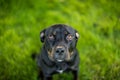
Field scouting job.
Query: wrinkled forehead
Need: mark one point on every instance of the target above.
(60, 29)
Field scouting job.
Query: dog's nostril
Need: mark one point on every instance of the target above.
(62, 51)
(57, 51)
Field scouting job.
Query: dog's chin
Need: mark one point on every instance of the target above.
(56, 60)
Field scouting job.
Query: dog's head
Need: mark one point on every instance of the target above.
(59, 42)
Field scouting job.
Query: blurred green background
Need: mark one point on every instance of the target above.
(97, 21)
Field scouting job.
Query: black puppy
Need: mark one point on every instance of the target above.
(59, 53)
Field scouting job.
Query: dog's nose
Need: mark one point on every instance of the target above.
(60, 51)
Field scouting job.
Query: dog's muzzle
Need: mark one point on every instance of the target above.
(59, 55)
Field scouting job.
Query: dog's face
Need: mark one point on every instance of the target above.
(60, 42)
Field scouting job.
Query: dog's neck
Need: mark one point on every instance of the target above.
(61, 66)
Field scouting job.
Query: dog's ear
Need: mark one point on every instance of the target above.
(77, 35)
(42, 35)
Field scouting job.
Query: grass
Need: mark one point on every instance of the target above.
(97, 21)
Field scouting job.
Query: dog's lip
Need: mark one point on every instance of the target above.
(59, 60)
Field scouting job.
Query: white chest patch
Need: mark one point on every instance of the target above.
(60, 71)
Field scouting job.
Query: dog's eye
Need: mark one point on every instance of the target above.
(69, 37)
(51, 37)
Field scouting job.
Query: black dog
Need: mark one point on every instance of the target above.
(59, 53)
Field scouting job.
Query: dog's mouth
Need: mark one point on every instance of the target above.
(59, 60)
